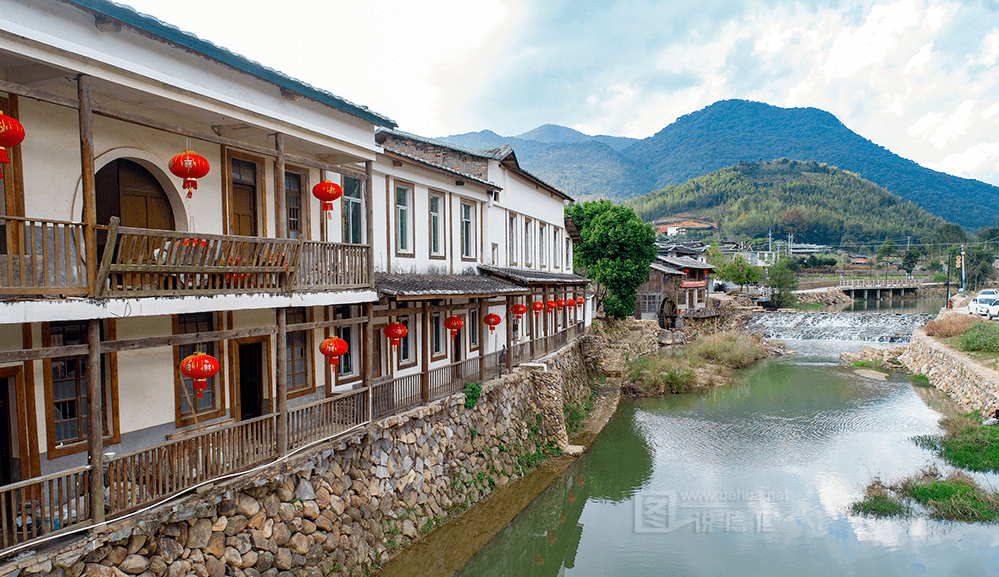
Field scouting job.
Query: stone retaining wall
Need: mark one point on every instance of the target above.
(343, 507)
(970, 384)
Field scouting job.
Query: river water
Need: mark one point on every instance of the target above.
(754, 478)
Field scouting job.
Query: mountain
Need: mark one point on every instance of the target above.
(585, 167)
(730, 131)
(817, 202)
(721, 135)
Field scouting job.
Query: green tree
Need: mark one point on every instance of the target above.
(910, 258)
(886, 251)
(616, 251)
(737, 270)
(781, 279)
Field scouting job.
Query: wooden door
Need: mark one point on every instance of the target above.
(127, 190)
(10, 466)
(244, 210)
(251, 380)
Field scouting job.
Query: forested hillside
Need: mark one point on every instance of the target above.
(818, 203)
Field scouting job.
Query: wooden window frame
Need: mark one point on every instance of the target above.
(441, 332)
(441, 226)
(410, 188)
(310, 360)
(53, 451)
(180, 420)
(355, 350)
(471, 242)
(414, 356)
(345, 202)
(473, 329)
(261, 185)
(236, 406)
(305, 210)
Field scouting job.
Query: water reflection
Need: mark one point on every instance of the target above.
(754, 478)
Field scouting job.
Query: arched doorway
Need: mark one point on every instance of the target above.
(127, 190)
(667, 313)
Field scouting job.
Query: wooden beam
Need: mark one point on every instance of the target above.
(87, 174)
(281, 218)
(425, 372)
(369, 355)
(509, 335)
(95, 423)
(369, 216)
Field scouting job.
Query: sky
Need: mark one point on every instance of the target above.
(919, 77)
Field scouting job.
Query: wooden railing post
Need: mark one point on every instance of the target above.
(95, 422)
(282, 381)
(87, 174)
(369, 355)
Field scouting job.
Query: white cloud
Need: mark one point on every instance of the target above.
(940, 129)
(871, 43)
(918, 62)
(988, 53)
(978, 159)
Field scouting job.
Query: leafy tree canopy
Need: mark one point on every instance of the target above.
(616, 251)
(781, 279)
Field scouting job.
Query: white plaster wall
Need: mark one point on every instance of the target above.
(145, 377)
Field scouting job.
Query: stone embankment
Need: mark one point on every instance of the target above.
(968, 382)
(344, 507)
(823, 296)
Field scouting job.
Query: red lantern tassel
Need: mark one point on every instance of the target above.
(200, 385)
(335, 361)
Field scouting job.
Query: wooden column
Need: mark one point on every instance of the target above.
(281, 218)
(534, 327)
(425, 372)
(95, 412)
(281, 378)
(369, 221)
(509, 334)
(369, 355)
(548, 317)
(87, 176)
(483, 310)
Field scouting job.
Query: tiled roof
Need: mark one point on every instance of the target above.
(491, 153)
(441, 167)
(170, 33)
(684, 262)
(441, 285)
(533, 277)
(666, 269)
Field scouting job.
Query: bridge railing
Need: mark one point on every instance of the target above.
(871, 283)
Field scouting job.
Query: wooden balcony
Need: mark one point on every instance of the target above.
(47, 258)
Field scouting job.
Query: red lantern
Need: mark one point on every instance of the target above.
(327, 192)
(11, 134)
(580, 301)
(518, 310)
(333, 349)
(686, 271)
(492, 319)
(551, 306)
(454, 324)
(538, 306)
(199, 367)
(189, 166)
(395, 332)
(560, 303)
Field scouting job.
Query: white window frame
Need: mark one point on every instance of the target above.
(556, 244)
(528, 242)
(467, 228)
(512, 239)
(348, 207)
(436, 224)
(542, 245)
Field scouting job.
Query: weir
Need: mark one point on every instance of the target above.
(880, 328)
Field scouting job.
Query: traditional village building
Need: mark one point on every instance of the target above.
(678, 285)
(110, 274)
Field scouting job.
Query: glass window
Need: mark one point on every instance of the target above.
(349, 361)
(436, 225)
(352, 219)
(542, 247)
(473, 328)
(528, 241)
(297, 352)
(467, 230)
(69, 385)
(402, 217)
(512, 235)
(437, 334)
(293, 200)
(405, 344)
(556, 243)
(209, 401)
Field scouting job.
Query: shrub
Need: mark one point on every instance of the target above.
(950, 325)
(981, 337)
(879, 502)
(661, 375)
(919, 380)
(472, 393)
(940, 277)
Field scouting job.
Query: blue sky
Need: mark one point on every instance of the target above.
(919, 77)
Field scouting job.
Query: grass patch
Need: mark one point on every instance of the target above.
(472, 393)
(957, 497)
(951, 325)
(731, 349)
(967, 444)
(981, 337)
(880, 502)
(864, 364)
(919, 381)
(808, 306)
(661, 375)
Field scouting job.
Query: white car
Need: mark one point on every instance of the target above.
(989, 293)
(980, 305)
(992, 311)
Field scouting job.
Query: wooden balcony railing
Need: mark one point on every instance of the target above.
(396, 395)
(327, 418)
(327, 265)
(42, 257)
(43, 505)
(156, 472)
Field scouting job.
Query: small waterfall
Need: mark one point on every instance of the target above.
(869, 327)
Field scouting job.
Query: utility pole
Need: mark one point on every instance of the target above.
(962, 270)
(770, 241)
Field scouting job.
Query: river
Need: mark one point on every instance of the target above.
(754, 478)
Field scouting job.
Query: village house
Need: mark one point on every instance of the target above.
(112, 272)
(678, 285)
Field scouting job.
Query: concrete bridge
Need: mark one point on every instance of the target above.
(876, 288)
